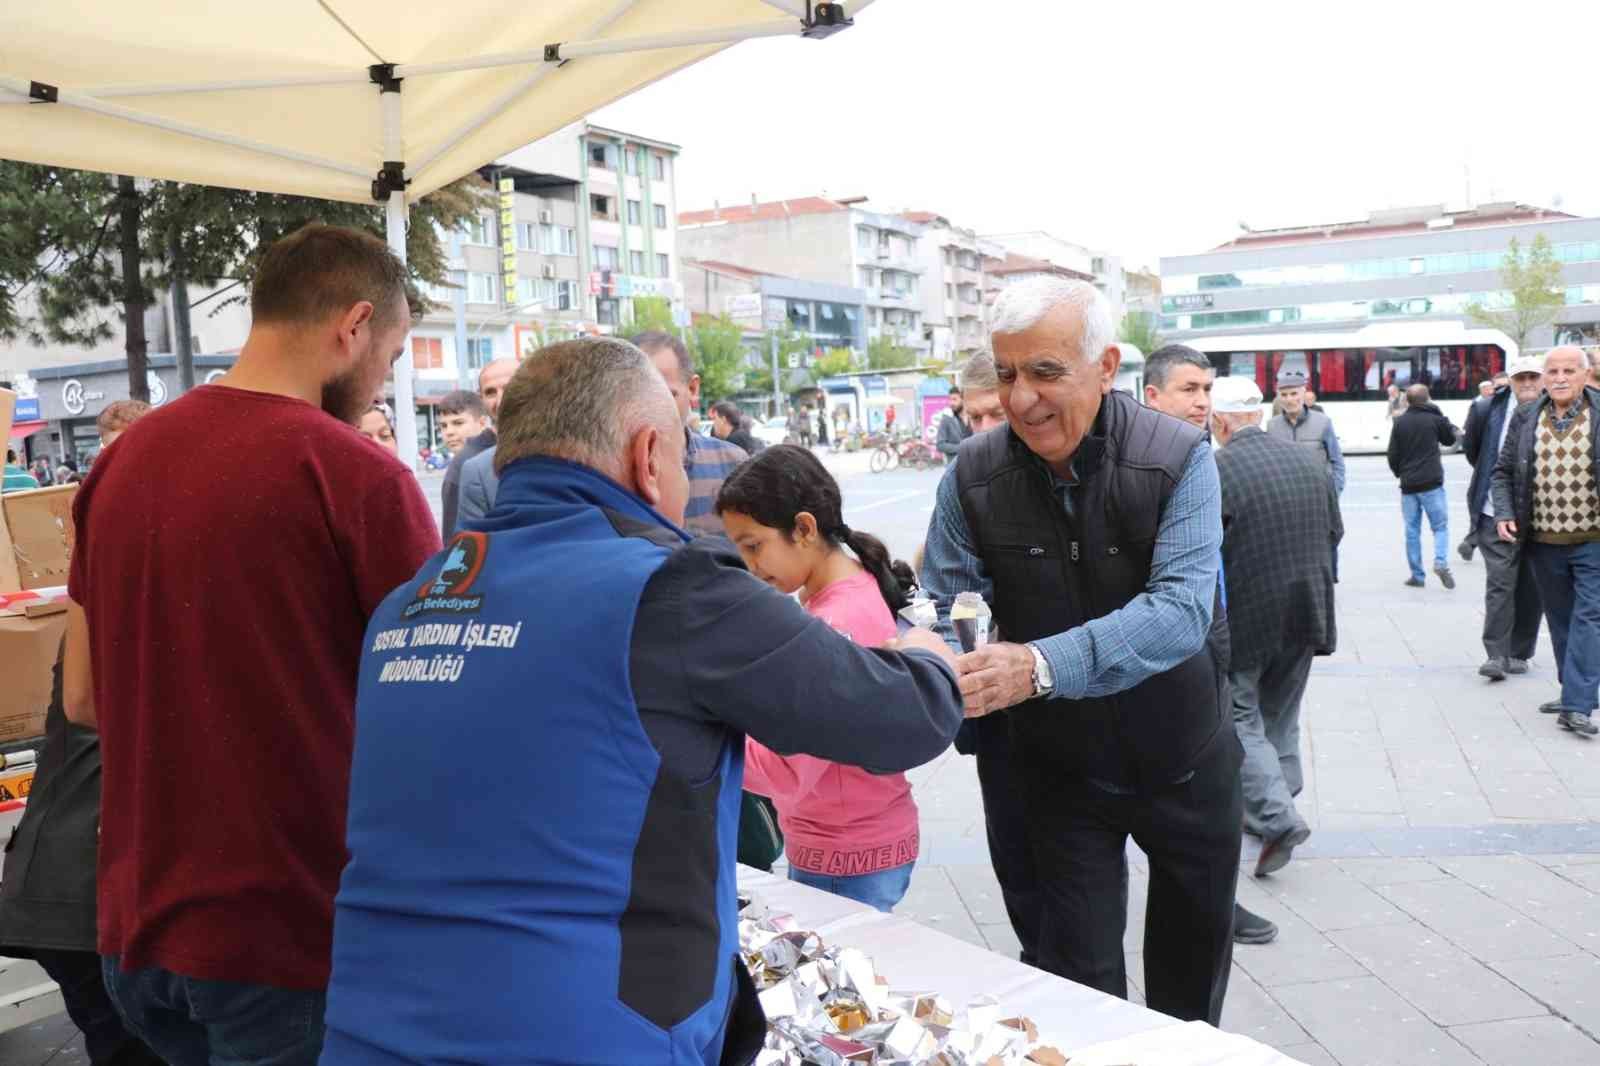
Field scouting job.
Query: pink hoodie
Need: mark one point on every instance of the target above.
(839, 820)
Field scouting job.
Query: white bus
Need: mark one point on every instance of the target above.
(1351, 372)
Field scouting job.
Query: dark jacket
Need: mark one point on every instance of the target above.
(1053, 571)
(746, 440)
(566, 892)
(1479, 438)
(1512, 481)
(1280, 518)
(47, 900)
(1414, 442)
(952, 431)
(450, 491)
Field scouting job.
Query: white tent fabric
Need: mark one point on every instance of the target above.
(475, 81)
(289, 97)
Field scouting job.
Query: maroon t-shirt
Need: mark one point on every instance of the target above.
(230, 550)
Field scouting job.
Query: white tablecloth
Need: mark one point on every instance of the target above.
(1071, 1017)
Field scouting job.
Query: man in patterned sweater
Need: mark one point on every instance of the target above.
(1547, 495)
(1280, 524)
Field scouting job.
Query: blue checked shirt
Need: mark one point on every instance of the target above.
(709, 461)
(1154, 632)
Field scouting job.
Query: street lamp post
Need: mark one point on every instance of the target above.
(502, 313)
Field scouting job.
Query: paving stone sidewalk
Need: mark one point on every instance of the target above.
(1444, 910)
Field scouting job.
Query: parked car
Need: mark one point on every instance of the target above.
(772, 431)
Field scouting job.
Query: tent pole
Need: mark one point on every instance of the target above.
(68, 98)
(109, 92)
(394, 214)
(560, 52)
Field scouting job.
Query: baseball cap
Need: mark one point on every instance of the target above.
(1291, 379)
(1526, 364)
(1233, 396)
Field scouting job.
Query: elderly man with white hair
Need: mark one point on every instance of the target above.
(549, 748)
(1546, 490)
(1092, 525)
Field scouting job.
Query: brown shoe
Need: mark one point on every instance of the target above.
(1276, 853)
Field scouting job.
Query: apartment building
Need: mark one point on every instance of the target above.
(838, 242)
(1103, 268)
(627, 215)
(516, 281)
(952, 285)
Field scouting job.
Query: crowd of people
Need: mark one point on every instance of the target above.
(1533, 514)
(388, 792)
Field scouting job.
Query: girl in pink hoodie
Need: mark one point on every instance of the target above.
(846, 831)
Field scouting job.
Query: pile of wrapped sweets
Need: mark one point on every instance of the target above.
(827, 1006)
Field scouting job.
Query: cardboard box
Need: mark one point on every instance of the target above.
(39, 525)
(9, 580)
(29, 646)
(28, 650)
(16, 784)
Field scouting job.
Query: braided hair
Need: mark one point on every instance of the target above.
(778, 483)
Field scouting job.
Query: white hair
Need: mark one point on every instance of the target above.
(1024, 305)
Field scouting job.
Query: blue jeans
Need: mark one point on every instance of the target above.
(190, 1022)
(881, 890)
(1569, 583)
(1412, 505)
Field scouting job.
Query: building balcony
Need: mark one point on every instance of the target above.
(883, 259)
(892, 299)
(963, 276)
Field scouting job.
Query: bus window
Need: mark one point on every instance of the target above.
(1330, 378)
(1385, 367)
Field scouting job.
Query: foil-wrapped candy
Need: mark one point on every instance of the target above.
(828, 1006)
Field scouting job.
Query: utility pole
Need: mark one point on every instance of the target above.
(777, 384)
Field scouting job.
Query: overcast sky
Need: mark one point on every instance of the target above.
(1147, 129)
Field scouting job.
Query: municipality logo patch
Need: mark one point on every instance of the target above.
(450, 591)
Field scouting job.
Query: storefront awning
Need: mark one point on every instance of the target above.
(24, 430)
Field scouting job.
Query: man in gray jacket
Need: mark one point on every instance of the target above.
(953, 429)
(1306, 427)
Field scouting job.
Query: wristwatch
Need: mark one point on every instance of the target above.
(1044, 682)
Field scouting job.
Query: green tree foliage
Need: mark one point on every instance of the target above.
(89, 247)
(718, 346)
(1534, 281)
(52, 222)
(1139, 330)
(834, 362)
(652, 313)
(884, 354)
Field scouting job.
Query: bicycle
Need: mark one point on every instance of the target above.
(913, 452)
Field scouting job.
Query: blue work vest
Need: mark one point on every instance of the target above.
(526, 883)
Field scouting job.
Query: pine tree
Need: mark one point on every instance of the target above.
(85, 245)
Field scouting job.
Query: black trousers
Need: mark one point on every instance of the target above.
(1006, 822)
(83, 989)
(1511, 605)
(1190, 833)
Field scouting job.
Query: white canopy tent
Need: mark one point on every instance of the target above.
(358, 100)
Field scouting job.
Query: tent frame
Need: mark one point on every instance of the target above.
(389, 182)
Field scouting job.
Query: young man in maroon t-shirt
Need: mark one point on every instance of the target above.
(229, 552)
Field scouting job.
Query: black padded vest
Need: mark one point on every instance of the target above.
(1052, 573)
